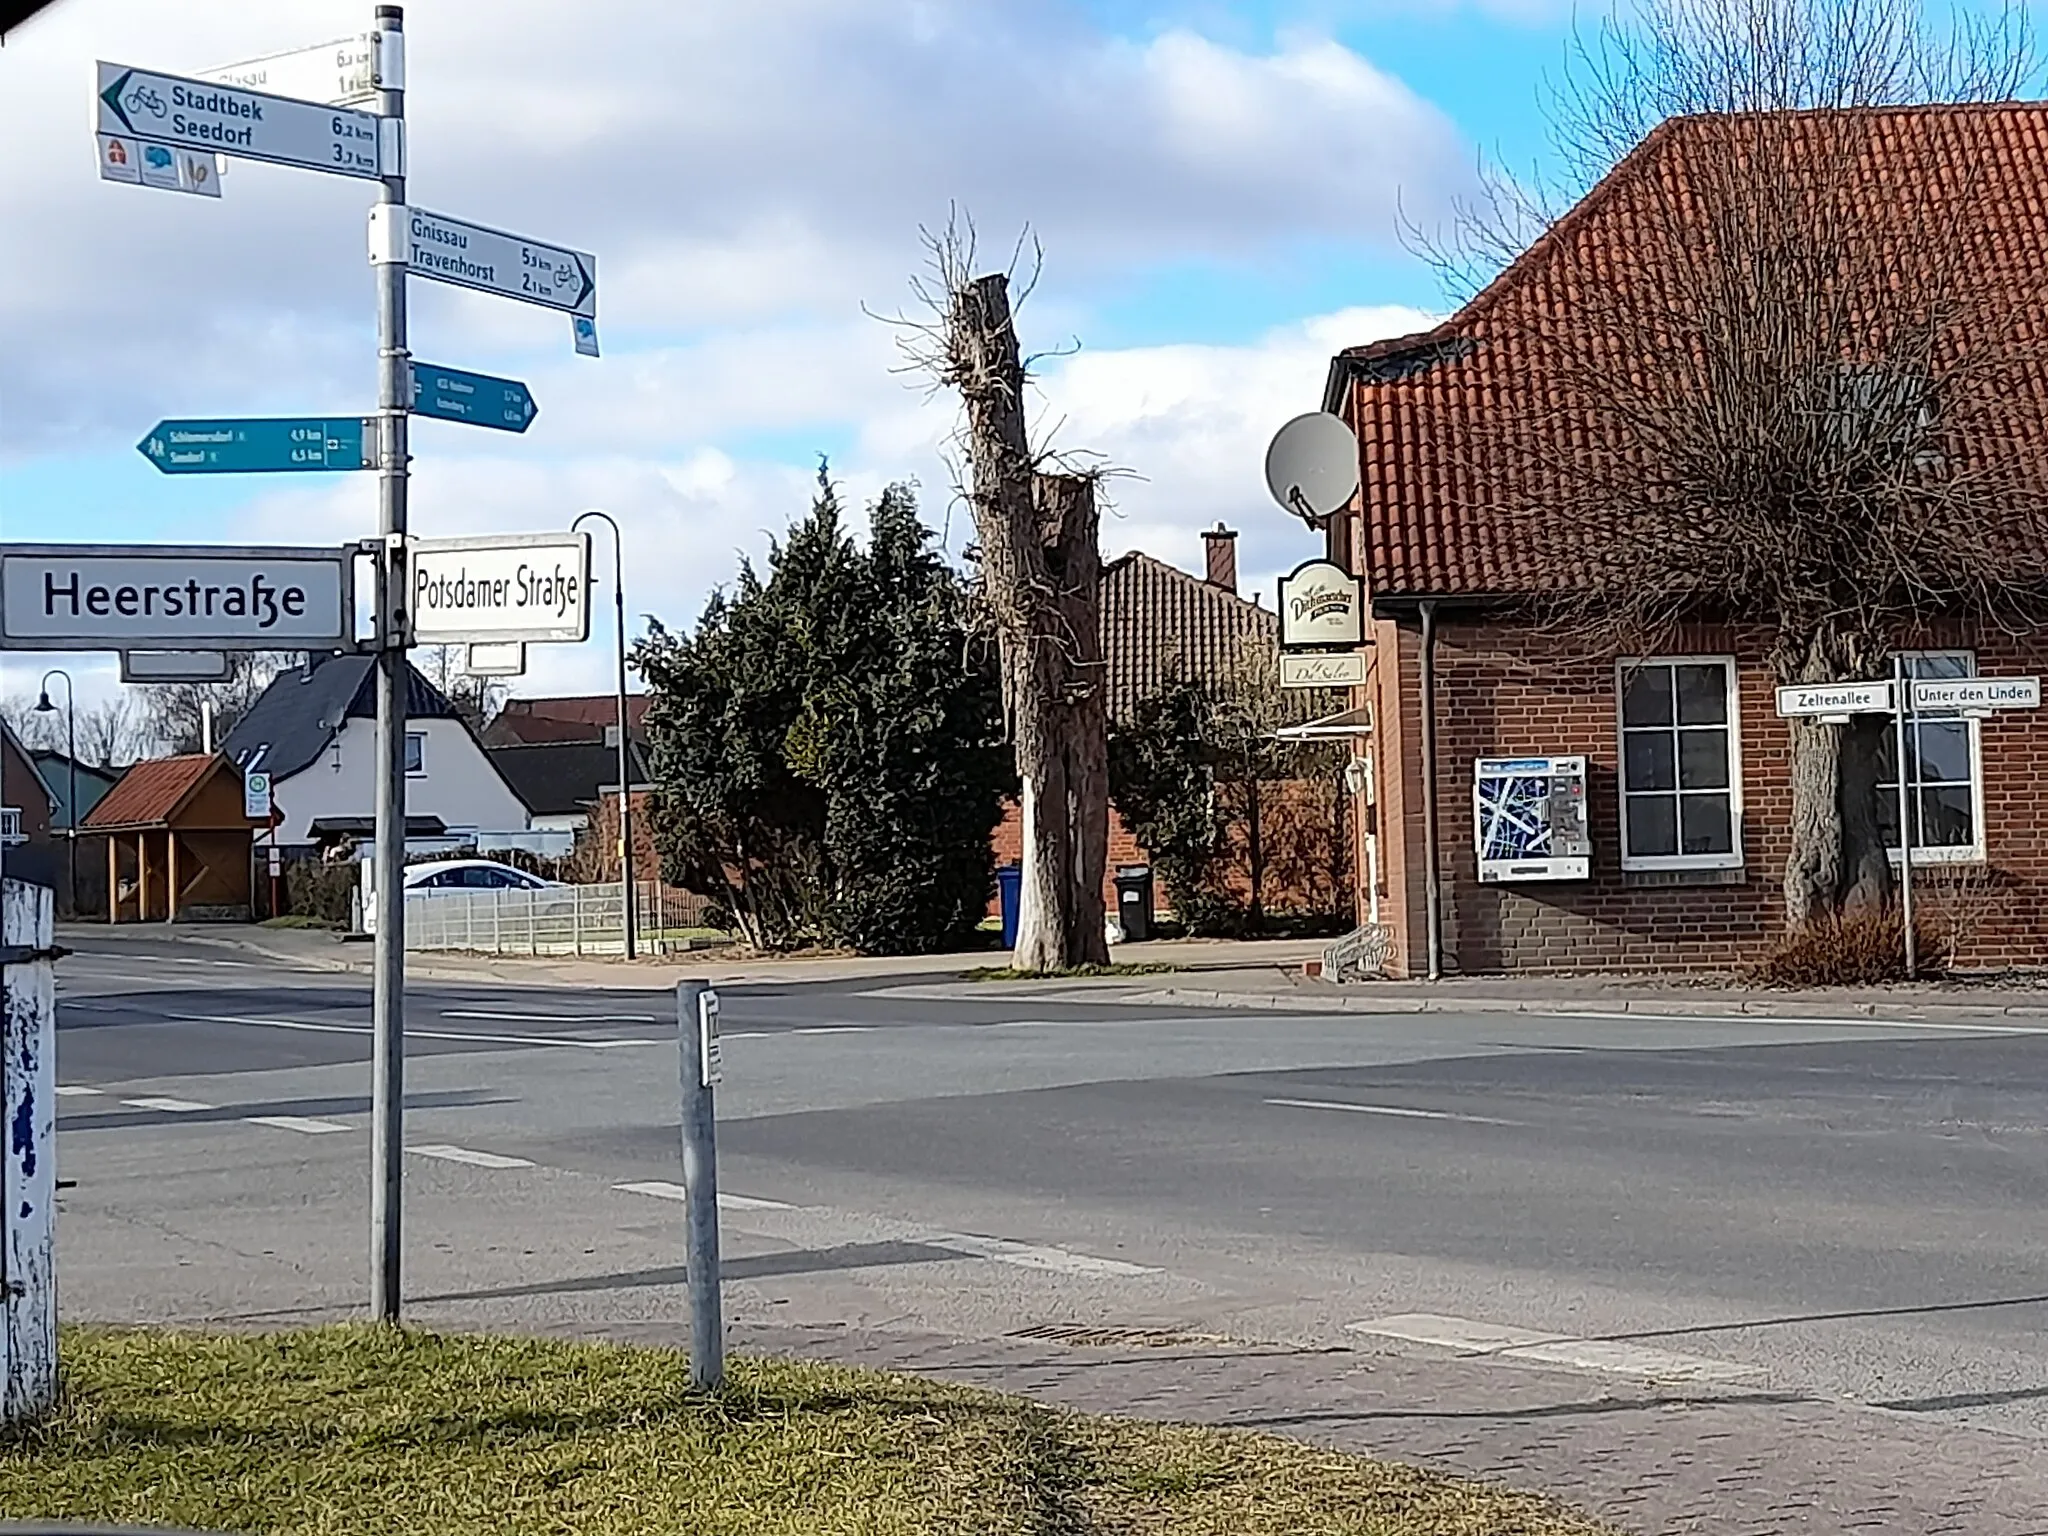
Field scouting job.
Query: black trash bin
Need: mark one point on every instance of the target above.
(1134, 900)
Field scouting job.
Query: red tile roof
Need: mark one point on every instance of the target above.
(1449, 504)
(1160, 624)
(150, 792)
(576, 718)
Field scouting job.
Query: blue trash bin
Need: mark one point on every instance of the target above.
(1010, 887)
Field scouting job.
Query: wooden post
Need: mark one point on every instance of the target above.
(142, 877)
(28, 1174)
(170, 876)
(113, 880)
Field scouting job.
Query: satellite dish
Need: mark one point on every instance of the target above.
(1312, 466)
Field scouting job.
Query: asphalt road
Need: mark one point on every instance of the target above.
(1849, 1209)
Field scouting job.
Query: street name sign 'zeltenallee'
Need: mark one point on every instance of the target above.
(248, 124)
(140, 597)
(518, 586)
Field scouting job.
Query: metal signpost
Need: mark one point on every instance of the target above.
(296, 109)
(260, 445)
(702, 1069)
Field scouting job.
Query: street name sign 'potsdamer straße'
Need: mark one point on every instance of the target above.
(260, 445)
(489, 260)
(250, 125)
(515, 586)
(142, 597)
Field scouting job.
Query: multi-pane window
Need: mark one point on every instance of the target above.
(1944, 786)
(10, 826)
(415, 752)
(1681, 796)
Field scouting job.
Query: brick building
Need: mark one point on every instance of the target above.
(1687, 789)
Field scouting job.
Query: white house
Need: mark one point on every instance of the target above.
(314, 731)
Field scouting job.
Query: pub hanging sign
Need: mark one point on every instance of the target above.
(1321, 605)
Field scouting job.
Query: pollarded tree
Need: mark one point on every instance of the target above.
(1779, 365)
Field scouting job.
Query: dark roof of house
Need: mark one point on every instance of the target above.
(150, 792)
(53, 763)
(1450, 496)
(28, 759)
(560, 778)
(298, 714)
(581, 717)
(1161, 624)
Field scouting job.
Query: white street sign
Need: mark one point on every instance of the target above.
(1835, 699)
(342, 73)
(517, 586)
(197, 114)
(256, 796)
(504, 658)
(1337, 669)
(1977, 693)
(141, 597)
(489, 260)
(174, 666)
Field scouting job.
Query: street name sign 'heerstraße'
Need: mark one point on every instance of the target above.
(139, 597)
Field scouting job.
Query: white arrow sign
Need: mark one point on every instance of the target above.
(342, 73)
(1835, 699)
(471, 256)
(1977, 693)
(198, 114)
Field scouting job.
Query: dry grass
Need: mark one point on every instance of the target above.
(358, 1430)
(1855, 950)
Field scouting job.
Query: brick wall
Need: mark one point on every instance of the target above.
(1510, 689)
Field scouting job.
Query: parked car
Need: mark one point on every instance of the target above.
(439, 876)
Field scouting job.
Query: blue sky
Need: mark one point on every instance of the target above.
(1216, 186)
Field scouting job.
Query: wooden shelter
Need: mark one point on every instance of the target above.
(178, 844)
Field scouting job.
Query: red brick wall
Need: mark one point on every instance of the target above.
(1123, 849)
(1506, 690)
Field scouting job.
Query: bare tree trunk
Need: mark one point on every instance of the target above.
(1041, 573)
(1866, 881)
(1813, 861)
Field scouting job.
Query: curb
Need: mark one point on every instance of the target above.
(1658, 1007)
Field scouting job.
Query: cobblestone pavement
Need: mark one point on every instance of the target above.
(1652, 1460)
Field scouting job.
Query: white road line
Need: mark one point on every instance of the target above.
(73, 1091)
(550, 1018)
(297, 1123)
(1389, 1110)
(833, 1029)
(306, 1027)
(1941, 1026)
(1615, 1357)
(661, 1189)
(449, 1154)
(168, 1106)
(1059, 1261)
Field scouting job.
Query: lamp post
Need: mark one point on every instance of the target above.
(625, 754)
(45, 707)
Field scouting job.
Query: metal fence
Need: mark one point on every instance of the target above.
(557, 920)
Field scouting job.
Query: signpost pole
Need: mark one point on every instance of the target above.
(394, 388)
(1901, 701)
(697, 1034)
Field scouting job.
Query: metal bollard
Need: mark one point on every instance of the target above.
(697, 1032)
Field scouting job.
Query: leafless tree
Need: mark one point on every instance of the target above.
(35, 731)
(476, 699)
(1036, 522)
(174, 714)
(111, 734)
(1787, 377)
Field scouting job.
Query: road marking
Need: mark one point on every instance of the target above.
(70, 1091)
(832, 1029)
(449, 1154)
(297, 1123)
(1059, 1261)
(550, 1018)
(412, 1034)
(661, 1189)
(1389, 1110)
(168, 1106)
(1614, 1357)
(1819, 1023)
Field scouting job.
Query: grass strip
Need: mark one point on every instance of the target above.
(363, 1430)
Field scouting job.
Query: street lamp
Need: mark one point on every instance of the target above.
(625, 775)
(45, 707)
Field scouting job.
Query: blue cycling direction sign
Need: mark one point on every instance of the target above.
(477, 398)
(198, 114)
(254, 445)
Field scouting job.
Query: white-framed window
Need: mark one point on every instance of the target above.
(10, 826)
(1945, 773)
(1681, 763)
(416, 754)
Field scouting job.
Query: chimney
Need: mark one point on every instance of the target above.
(1219, 544)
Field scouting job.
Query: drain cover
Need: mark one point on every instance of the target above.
(1116, 1338)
